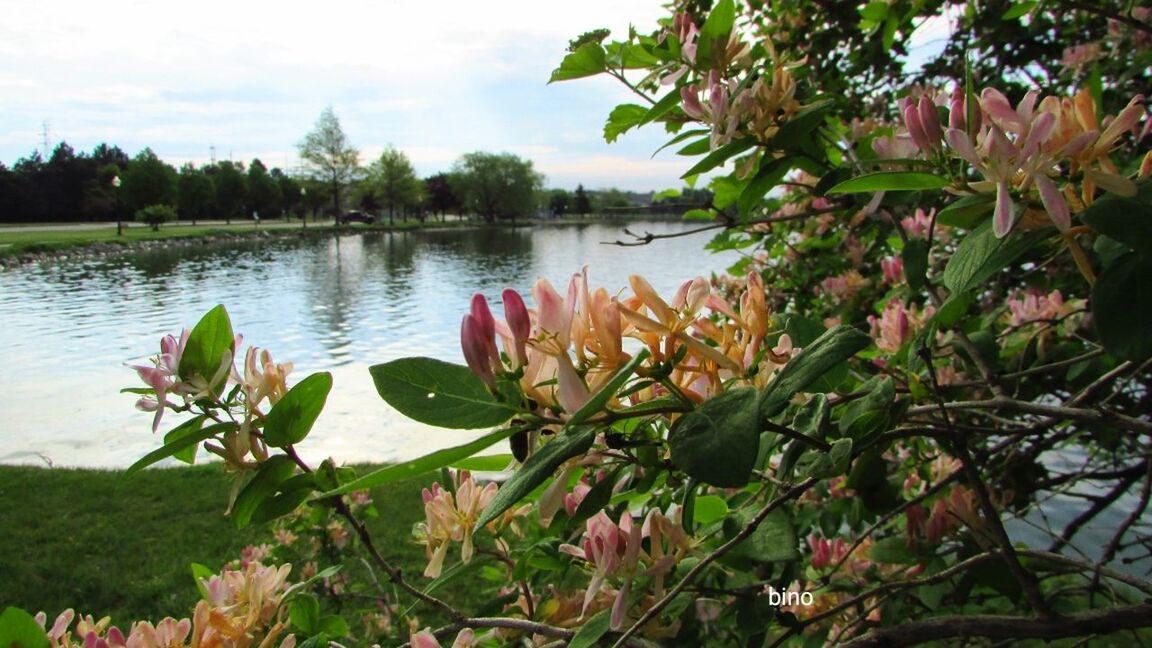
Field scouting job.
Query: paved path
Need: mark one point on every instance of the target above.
(77, 227)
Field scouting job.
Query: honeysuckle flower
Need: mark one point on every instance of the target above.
(892, 269)
(168, 633)
(262, 379)
(671, 324)
(452, 519)
(897, 324)
(425, 639)
(825, 553)
(613, 551)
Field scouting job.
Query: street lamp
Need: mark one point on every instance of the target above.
(116, 191)
(304, 211)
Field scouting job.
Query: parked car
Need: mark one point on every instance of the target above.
(356, 217)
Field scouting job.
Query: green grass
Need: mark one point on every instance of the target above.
(106, 544)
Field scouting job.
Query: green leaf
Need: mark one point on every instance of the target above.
(208, 342)
(798, 133)
(915, 256)
(981, 255)
(334, 626)
(891, 181)
(178, 445)
(952, 310)
(598, 400)
(709, 509)
(438, 393)
(717, 443)
(1122, 307)
(769, 175)
(289, 496)
(721, 155)
(273, 472)
(191, 426)
(486, 463)
(827, 352)
(773, 541)
(623, 118)
(590, 633)
(201, 573)
(588, 60)
(596, 499)
(661, 108)
(715, 30)
(293, 416)
(1128, 220)
(967, 211)
(427, 463)
(539, 467)
(699, 214)
(868, 414)
(304, 612)
(699, 146)
(18, 629)
(893, 551)
(1019, 9)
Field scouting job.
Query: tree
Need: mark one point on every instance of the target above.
(581, 203)
(196, 192)
(440, 197)
(290, 198)
(263, 191)
(329, 155)
(147, 181)
(392, 182)
(156, 215)
(231, 189)
(559, 201)
(496, 184)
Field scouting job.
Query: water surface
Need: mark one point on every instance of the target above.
(336, 304)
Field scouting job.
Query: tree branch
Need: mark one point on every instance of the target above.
(1007, 627)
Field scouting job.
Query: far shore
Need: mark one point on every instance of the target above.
(37, 242)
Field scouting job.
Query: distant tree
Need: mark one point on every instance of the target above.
(439, 197)
(64, 177)
(231, 189)
(263, 191)
(329, 155)
(392, 182)
(581, 203)
(196, 193)
(559, 202)
(155, 215)
(146, 181)
(104, 155)
(290, 199)
(493, 185)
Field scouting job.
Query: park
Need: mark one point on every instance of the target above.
(875, 372)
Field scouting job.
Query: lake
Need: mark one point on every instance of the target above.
(338, 304)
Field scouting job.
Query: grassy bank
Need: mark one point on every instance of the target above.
(34, 239)
(107, 544)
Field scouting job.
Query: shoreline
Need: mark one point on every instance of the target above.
(66, 244)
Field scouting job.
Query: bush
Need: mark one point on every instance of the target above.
(156, 215)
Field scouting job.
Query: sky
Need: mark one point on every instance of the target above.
(435, 79)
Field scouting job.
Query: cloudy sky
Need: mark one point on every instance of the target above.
(434, 78)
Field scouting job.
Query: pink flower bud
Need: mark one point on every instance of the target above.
(519, 322)
(475, 350)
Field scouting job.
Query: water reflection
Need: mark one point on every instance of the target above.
(323, 302)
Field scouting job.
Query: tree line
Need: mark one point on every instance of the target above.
(108, 185)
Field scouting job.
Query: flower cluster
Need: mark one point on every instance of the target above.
(241, 610)
(1025, 148)
(568, 346)
(452, 518)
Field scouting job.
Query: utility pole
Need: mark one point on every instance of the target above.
(212, 149)
(44, 140)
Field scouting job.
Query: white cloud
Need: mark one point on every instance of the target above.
(436, 79)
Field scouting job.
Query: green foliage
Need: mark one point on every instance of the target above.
(211, 345)
(330, 157)
(718, 442)
(438, 393)
(293, 416)
(496, 185)
(537, 469)
(156, 215)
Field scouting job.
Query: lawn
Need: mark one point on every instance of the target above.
(107, 544)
